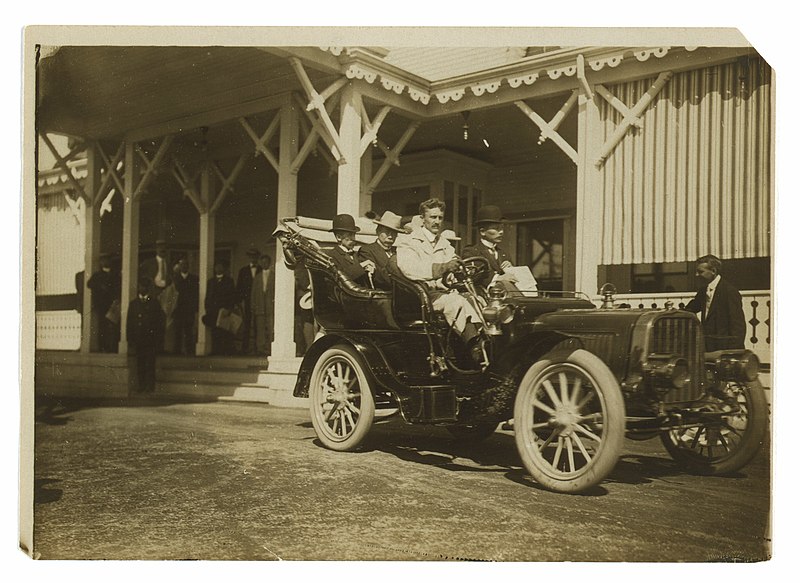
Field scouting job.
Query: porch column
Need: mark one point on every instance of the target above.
(283, 344)
(349, 176)
(91, 250)
(130, 244)
(589, 216)
(365, 197)
(205, 260)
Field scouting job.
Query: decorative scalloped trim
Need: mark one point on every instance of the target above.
(645, 54)
(421, 96)
(333, 50)
(356, 72)
(569, 71)
(452, 95)
(610, 61)
(481, 88)
(690, 49)
(527, 79)
(392, 85)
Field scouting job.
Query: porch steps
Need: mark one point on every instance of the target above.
(226, 378)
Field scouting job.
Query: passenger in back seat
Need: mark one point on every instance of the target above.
(382, 249)
(343, 254)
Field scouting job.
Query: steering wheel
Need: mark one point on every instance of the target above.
(468, 268)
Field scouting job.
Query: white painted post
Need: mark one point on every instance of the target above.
(130, 244)
(365, 196)
(589, 216)
(349, 176)
(283, 344)
(91, 248)
(205, 260)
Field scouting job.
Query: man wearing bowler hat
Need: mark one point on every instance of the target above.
(382, 249)
(489, 221)
(344, 253)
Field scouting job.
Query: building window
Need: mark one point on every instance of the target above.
(540, 246)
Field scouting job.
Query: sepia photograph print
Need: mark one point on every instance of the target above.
(397, 294)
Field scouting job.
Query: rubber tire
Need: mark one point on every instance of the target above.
(473, 433)
(747, 448)
(364, 422)
(613, 434)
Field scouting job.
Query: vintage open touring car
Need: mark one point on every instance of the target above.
(576, 379)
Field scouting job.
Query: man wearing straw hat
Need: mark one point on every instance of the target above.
(382, 249)
(344, 253)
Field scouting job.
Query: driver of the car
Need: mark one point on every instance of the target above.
(424, 255)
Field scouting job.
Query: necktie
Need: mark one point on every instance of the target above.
(160, 269)
(709, 296)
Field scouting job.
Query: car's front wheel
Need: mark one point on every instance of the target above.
(730, 438)
(342, 405)
(569, 421)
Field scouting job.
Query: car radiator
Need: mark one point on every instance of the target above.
(680, 336)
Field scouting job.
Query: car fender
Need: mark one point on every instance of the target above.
(520, 355)
(377, 369)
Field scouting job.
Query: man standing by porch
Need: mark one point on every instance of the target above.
(262, 299)
(719, 305)
(244, 285)
(157, 269)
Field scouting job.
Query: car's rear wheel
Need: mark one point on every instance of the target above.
(341, 402)
(569, 421)
(727, 442)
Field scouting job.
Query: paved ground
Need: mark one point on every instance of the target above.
(159, 480)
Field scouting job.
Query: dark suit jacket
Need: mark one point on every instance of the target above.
(145, 323)
(377, 254)
(481, 250)
(349, 265)
(244, 282)
(105, 289)
(219, 294)
(724, 326)
(188, 295)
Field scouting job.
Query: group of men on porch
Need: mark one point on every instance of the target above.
(421, 249)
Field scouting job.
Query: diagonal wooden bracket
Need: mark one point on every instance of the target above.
(317, 103)
(227, 181)
(316, 124)
(309, 145)
(549, 129)
(616, 103)
(631, 116)
(151, 166)
(187, 183)
(111, 168)
(392, 157)
(61, 162)
(262, 142)
(77, 206)
(314, 136)
(370, 135)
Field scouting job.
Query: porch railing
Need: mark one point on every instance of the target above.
(58, 330)
(756, 304)
(62, 330)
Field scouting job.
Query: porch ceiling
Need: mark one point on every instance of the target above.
(104, 92)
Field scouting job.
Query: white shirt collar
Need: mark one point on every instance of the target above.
(428, 234)
(489, 244)
(712, 286)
